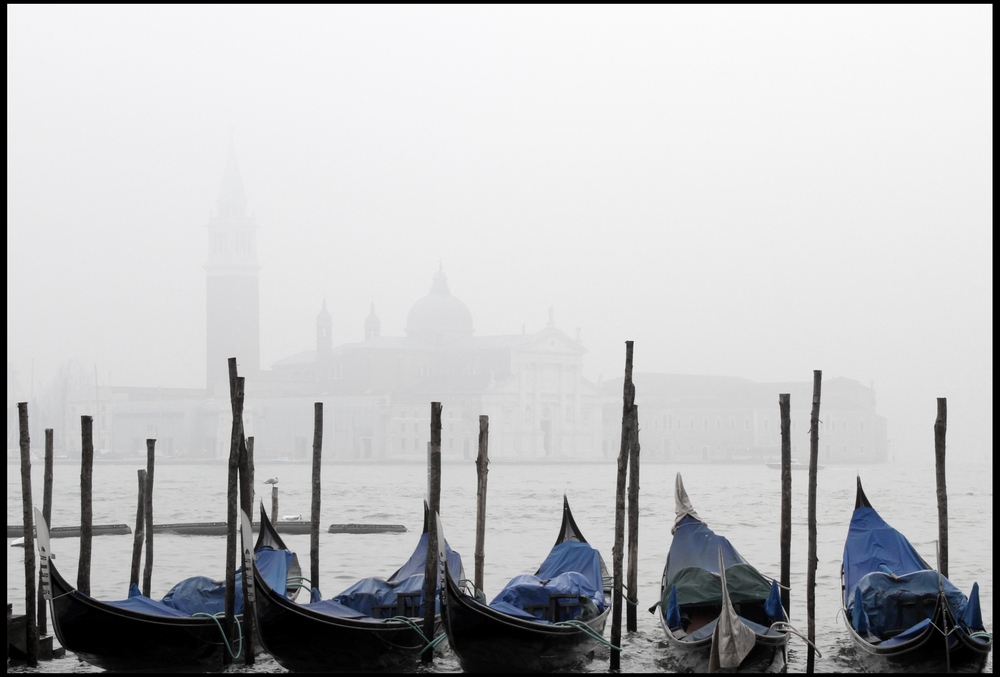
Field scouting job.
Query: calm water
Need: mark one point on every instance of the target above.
(523, 515)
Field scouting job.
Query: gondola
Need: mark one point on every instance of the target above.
(901, 613)
(375, 625)
(180, 633)
(553, 620)
(716, 609)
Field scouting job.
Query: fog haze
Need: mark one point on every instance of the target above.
(753, 191)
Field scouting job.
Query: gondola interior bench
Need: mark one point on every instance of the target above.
(407, 604)
(560, 607)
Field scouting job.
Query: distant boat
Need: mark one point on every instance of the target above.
(795, 466)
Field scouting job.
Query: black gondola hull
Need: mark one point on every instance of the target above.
(121, 640)
(488, 641)
(925, 652)
(301, 640)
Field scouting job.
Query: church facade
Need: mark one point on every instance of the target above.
(377, 391)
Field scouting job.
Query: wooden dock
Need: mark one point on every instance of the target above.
(66, 532)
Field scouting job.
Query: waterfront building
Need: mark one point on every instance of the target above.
(377, 390)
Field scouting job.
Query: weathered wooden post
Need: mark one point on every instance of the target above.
(316, 493)
(138, 536)
(47, 514)
(86, 504)
(784, 406)
(482, 468)
(813, 560)
(274, 504)
(229, 620)
(147, 570)
(631, 622)
(246, 503)
(628, 397)
(250, 475)
(940, 428)
(31, 630)
(434, 506)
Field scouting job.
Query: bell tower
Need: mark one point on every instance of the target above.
(232, 277)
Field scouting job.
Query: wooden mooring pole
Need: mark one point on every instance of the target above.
(246, 503)
(138, 536)
(229, 608)
(632, 587)
(147, 570)
(813, 560)
(316, 471)
(250, 476)
(47, 514)
(434, 506)
(628, 397)
(31, 629)
(784, 406)
(482, 468)
(274, 503)
(940, 429)
(86, 504)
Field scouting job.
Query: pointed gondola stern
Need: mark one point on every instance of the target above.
(44, 554)
(568, 530)
(268, 536)
(682, 503)
(861, 501)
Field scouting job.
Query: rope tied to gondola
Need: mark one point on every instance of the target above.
(428, 644)
(222, 631)
(633, 602)
(784, 626)
(588, 630)
(300, 582)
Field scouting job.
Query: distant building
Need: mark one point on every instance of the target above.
(727, 419)
(377, 391)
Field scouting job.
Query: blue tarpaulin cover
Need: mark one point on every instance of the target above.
(201, 594)
(694, 544)
(895, 587)
(572, 568)
(360, 599)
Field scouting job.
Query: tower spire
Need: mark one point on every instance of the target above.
(232, 198)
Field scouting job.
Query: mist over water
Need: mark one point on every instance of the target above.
(747, 191)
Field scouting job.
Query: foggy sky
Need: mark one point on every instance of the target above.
(754, 191)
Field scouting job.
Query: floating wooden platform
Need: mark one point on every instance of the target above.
(65, 532)
(282, 526)
(366, 529)
(218, 529)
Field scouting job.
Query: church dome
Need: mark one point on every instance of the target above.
(439, 317)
